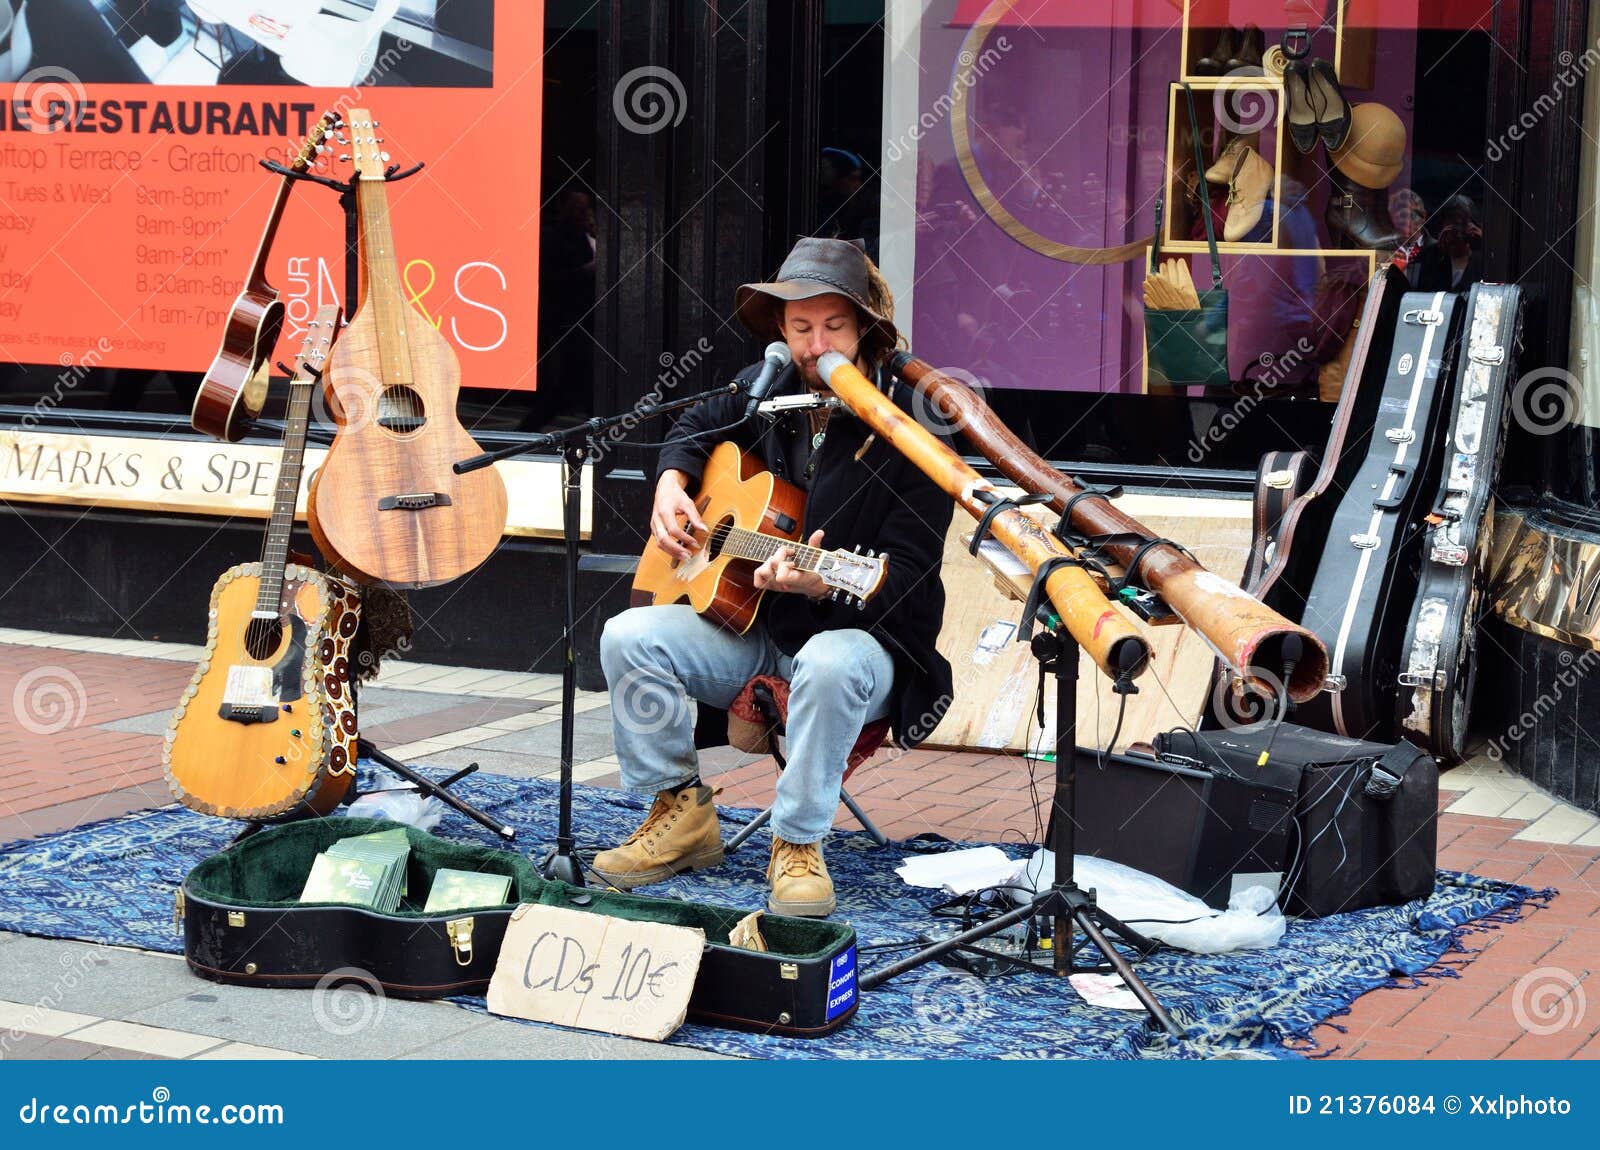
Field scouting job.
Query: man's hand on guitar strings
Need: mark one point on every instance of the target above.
(780, 574)
(673, 509)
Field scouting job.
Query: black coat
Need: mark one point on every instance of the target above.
(881, 501)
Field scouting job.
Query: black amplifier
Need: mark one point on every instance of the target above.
(1201, 826)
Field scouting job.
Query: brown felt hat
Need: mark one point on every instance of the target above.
(1375, 151)
(814, 267)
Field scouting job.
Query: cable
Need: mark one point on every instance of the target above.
(734, 426)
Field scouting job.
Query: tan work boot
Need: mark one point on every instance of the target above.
(679, 834)
(799, 880)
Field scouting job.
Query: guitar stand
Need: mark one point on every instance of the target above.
(437, 790)
(1067, 905)
(347, 203)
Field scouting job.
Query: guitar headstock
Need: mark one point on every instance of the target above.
(320, 334)
(366, 151)
(854, 574)
(316, 140)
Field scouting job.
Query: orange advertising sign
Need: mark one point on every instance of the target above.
(132, 200)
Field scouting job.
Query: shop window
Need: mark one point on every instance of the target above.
(112, 297)
(1024, 138)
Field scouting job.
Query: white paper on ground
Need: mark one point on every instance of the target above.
(1159, 910)
(959, 872)
(1105, 990)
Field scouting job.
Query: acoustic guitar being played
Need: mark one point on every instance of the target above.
(234, 388)
(749, 514)
(386, 506)
(266, 729)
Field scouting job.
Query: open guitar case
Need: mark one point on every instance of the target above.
(243, 924)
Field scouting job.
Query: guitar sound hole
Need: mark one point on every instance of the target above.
(400, 410)
(261, 638)
(719, 536)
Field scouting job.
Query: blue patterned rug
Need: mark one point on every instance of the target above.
(113, 882)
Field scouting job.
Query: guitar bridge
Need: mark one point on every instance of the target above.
(248, 696)
(414, 501)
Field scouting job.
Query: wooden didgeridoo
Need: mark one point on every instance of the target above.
(1110, 640)
(1251, 638)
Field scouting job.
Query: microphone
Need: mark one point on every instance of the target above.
(777, 357)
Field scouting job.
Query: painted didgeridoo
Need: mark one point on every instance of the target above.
(1254, 641)
(1114, 643)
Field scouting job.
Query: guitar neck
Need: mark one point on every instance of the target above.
(742, 543)
(275, 550)
(381, 287)
(258, 268)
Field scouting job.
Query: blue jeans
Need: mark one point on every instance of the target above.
(658, 658)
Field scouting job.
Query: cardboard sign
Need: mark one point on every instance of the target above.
(594, 972)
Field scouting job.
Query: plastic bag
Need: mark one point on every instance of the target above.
(407, 807)
(1157, 909)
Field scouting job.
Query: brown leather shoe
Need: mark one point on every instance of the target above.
(679, 834)
(799, 880)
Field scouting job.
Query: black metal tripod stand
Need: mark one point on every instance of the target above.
(1066, 904)
(575, 445)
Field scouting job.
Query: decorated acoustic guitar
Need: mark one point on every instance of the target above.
(266, 729)
(750, 513)
(235, 385)
(386, 506)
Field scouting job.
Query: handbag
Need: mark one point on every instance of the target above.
(1188, 347)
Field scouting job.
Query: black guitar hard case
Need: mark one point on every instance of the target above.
(242, 923)
(1282, 479)
(1366, 579)
(1438, 665)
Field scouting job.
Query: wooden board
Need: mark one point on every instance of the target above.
(996, 677)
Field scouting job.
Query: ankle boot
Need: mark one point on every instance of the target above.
(1215, 62)
(799, 880)
(1358, 217)
(1248, 51)
(679, 834)
(1221, 172)
(1247, 195)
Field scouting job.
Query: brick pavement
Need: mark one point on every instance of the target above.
(60, 766)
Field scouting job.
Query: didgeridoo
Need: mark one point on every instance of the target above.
(1107, 636)
(1256, 642)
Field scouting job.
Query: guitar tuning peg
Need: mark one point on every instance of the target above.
(344, 157)
(861, 604)
(869, 553)
(384, 156)
(834, 598)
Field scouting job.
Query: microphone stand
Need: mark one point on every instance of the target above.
(574, 445)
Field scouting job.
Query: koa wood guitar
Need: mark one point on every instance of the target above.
(386, 506)
(750, 513)
(266, 729)
(235, 385)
